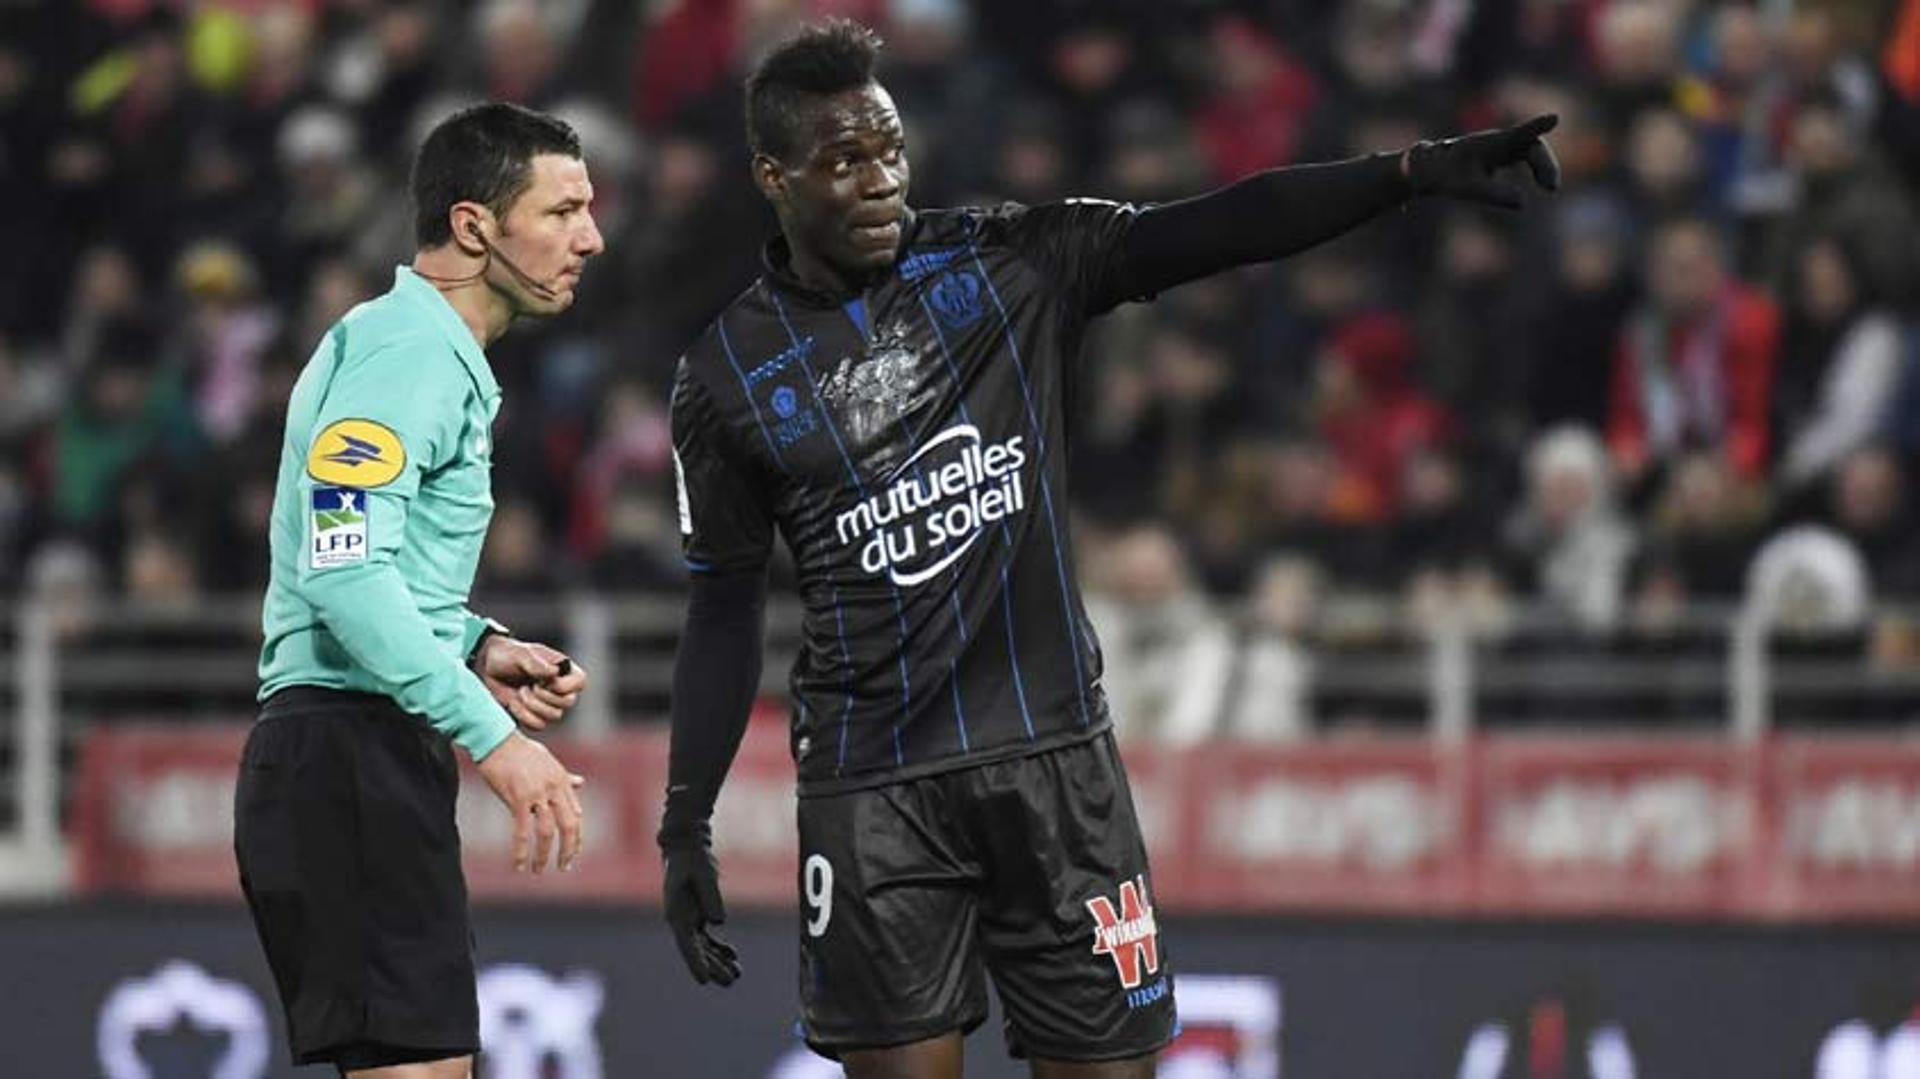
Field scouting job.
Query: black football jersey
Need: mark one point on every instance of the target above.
(910, 443)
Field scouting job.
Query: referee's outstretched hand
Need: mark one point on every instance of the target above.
(1467, 166)
(693, 905)
(543, 798)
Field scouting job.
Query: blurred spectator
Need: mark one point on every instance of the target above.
(517, 559)
(1666, 176)
(1569, 542)
(1706, 524)
(1439, 525)
(1695, 366)
(1809, 582)
(1845, 192)
(65, 576)
(1269, 689)
(519, 51)
(1840, 368)
(1574, 330)
(1872, 506)
(1739, 106)
(330, 194)
(129, 411)
(31, 388)
(1637, 45)
(227, 328)
(1471, 327)
(158, 570)
(635, 444)
(108, 291)
(383, 69)
(1167, 652)
(1372, 414)
(1259, 100)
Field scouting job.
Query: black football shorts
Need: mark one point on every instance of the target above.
(1029, 871)
(350, 860)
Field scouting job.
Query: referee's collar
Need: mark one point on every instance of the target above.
(776, 260)
(418, 290)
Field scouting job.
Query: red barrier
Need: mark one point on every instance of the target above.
(1847, 840)
(1600, 825)
(1373, 826)
(1796, 829)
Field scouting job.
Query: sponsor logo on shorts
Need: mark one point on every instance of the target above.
(1130, 935)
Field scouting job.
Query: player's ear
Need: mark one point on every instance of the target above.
(770, 177)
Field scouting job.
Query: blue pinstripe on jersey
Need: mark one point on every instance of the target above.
(899, 608)
(747, 388)
(1046, 494)
(1006, 533)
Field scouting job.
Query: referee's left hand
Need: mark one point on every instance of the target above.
(537, 685)
(1467, 166)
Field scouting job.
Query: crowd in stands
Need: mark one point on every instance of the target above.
(1688, 382)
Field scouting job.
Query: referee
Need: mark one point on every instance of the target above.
(373, 668)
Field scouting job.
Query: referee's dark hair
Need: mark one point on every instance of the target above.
(481, 154)
(822, 58)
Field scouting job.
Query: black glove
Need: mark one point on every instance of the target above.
(693, 901)
(1463, 167)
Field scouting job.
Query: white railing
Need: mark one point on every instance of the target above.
(63, 669)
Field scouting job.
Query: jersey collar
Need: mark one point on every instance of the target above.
(776, 260)
(419, 291)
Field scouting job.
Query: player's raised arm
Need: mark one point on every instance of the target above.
(1283, 211)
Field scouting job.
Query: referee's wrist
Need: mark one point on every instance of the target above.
(488, 630)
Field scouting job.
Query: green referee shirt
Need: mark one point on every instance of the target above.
(382, 503)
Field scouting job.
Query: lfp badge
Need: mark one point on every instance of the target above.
(338, 527)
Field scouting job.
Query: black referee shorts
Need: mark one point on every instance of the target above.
(350, 860)
(1031, 871)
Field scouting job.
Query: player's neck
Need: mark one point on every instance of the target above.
(820, 275)
(462, 280)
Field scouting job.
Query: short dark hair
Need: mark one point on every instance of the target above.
(482, 154)
(822, 58)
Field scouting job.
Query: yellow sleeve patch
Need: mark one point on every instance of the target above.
(356, 453)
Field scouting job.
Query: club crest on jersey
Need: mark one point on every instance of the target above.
(956, 299)
(869, 393)
(794, 419)
(337, 527)
(1129, 935)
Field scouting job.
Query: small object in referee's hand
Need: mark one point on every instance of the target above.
(566, 668)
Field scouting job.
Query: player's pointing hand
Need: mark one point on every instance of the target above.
(1467, 166)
